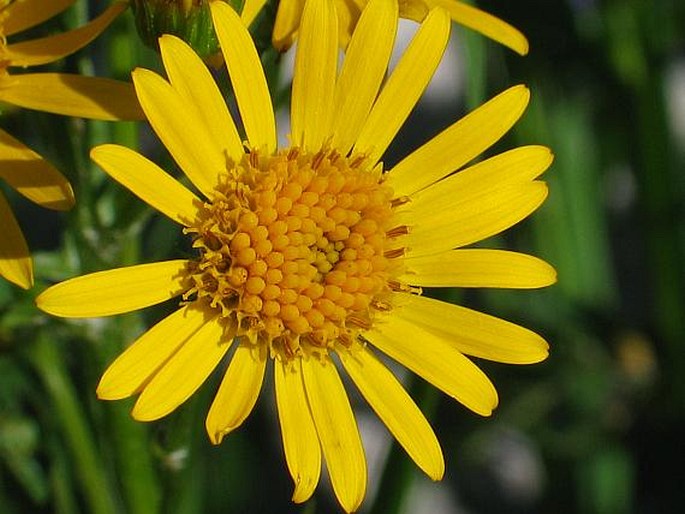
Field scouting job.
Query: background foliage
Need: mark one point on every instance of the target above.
(595, 429)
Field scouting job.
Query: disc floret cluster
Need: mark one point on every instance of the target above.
(296, 249)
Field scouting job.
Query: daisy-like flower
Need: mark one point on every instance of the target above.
(312, 257)
(74, 95)
(289, 15)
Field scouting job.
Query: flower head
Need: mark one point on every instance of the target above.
(90, 97)
(289, 14)
(315, 253)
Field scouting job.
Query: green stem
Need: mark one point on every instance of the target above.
(72, 421)
(61, 480)
(133, 461)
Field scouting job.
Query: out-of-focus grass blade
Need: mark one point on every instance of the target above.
(72, 421)
(571, 229)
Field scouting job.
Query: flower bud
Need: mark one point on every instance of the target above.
(190, 20)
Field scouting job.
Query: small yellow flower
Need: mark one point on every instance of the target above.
(90, 97)
(290, 12)
(313, 253)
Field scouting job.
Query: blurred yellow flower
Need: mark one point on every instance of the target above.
(74, 95)
(313, 253)
(290, 12)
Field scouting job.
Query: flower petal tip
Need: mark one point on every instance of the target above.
(543, 352)
(26, 285)
(494, 403)
(67, 201)
(522, 90)
(537, 352)
(43, 301)
(216, 436)
(435, 469)
(109, 392)
(215, 432)
(553, 276)
(21, 275)
(438, 474)
(112, 385)
(145, 413)
(303, 490)
(486, 413)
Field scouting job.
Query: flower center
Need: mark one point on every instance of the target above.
(296, 249)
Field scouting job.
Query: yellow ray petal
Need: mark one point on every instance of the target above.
(473, 218)
(238, 391)
(436, 359)
(116, 291)
(473, 333)
(191, 79)
(51, 48)
(185, 371)
(396, 409)
(363, 70)
(337, 430)
(148, 182)
(251, 9)
(247, 77)
(459, 143)
(478, 268)
(314, 79)
(519, 165)
(487, 24)
(300, 442)
(181, 129)
(133, 368)
(286, 24)
(26, 14)
(15, 261)
(72, 95)
(404, 86)
(437, 205)
(32, 176)
(349, 12)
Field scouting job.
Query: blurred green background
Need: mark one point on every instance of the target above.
(597, 428)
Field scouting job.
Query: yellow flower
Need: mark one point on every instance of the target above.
(22, 168)
(313, 253)
(290, 12)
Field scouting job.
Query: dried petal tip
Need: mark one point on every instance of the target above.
(188, 19)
